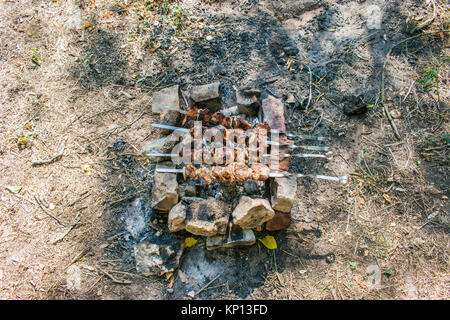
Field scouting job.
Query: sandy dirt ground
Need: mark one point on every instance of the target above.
(76, 79)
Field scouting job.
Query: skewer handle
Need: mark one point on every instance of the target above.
(342, 179)
(167, 127)
(168, 170)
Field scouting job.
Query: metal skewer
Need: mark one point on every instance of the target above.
(282, 155)
(342, 179)
(167, 155)
(289, 135)
(168, 170)
(167, 127)
(326, 156)
(273, 143)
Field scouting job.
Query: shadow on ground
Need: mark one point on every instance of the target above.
(246, 50)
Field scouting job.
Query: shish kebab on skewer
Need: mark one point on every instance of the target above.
(224, 155)
(227, 156)
(247, 158)
(240, 172)
(248, 139)
(213, 119)
(229, 122)
(221, 155)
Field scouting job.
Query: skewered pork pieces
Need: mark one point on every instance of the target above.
(215, 119)
(230, 173)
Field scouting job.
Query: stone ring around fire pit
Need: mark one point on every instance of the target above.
(226, 214)
(211, 217)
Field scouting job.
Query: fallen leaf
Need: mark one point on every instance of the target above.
(387, 198)
(14, 189)
(87, 25)
(269, 242)
(35, 57)
(22, 142)
(189, 242)
(172, 278)
(168, 275)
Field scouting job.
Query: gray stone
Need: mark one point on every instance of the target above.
(232, 111)
(158, 255)
(163, 145)
(247, 104)
(167, 97)
(177, 218)
(251, 213)
(283, 191)
(207, 217)
(273, 110)
(190, 200)
(207, 95)
(251, 187)
(170, 118)
(190, 190)
(235, 237)
(165, 190)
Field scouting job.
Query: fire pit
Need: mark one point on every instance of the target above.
(222, 172)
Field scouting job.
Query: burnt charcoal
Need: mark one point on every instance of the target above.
(119, 146)
(291, 51)
(354, 105)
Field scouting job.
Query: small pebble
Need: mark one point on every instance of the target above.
(191, 294)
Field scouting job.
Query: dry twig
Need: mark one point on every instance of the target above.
(73, 225)
(206, 286)
(115, 280)
(48, 213)
(53, 159)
